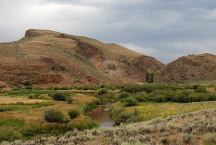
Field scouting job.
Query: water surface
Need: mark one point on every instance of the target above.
(102, 117)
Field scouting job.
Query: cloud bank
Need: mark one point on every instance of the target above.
(165, 29)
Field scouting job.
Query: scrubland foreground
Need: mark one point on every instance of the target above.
(198, 128)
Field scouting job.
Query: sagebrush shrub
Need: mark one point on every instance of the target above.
(73, 114)
(102, 91)
(90, 106)
(70, 100)
(130, 101)
(84, 123)
(9, 134)
(197, 97)
(53, 116)
(59, 96)
(199, 88)
(123, 95)
(141, 97)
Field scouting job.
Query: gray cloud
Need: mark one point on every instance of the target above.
(165, 29)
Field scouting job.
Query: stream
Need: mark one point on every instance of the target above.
(102, 117)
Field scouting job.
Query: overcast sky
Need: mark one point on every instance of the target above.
(165, 29)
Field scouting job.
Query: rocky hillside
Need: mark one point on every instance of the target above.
(47, 58)
(192, 68)
(196, 128)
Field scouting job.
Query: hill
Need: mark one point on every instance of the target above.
(191, 68)
(47, 58)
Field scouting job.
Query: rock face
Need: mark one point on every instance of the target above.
(192, 68)
(47, 58)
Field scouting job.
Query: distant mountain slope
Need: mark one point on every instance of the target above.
(47, 58)
(192, 68)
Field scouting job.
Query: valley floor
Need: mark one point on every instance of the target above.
(198, 128)
(167, 115)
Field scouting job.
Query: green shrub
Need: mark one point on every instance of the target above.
(130, 101)
(197, 97)
(181, 97)
(42, 104)
(123, 95)
(199, 88)
(21, 92)
(103, 86)
(30, 96)
(90, 106)
(159, 98)
(69, 100)
(115, 112)
(53, 116)
(167, 93)
(33, 129)
(59, 96)
(162, 95)
(102, 91)
(133, 117)
(109, 98)
(35, 96)
(141, 97)
(11, 122)
(211, 96)
(5, 108)
(84, 123)
(28, 87)
(73, 114)
(132, 88)
(8, 133)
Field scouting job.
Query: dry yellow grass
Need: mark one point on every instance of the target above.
(148, 111)
(14, 100)
(36, 114)
(212, 90)
(84, 98)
